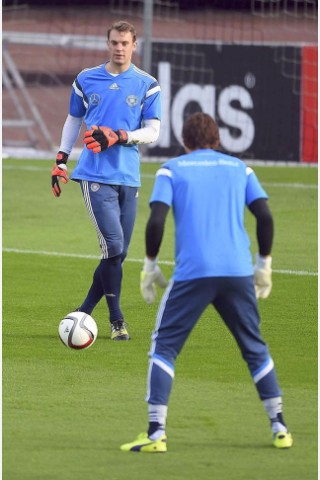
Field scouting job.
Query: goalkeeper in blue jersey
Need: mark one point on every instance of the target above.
(121, 107)
(208, 192)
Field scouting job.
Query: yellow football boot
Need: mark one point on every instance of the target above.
(144, 444)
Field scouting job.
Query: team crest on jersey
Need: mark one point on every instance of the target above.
(114, 86)
(95, 187)
(132, 100)
(94, 99)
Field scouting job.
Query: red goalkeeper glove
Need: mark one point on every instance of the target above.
(99, 139)
(59, 171)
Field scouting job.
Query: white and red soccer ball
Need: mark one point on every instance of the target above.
(78, 330)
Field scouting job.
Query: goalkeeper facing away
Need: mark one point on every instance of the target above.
(208, 192)
(120, 105)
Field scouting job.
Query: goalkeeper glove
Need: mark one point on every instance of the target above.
(149, 277)
(101, 138)
(262, 276)
(59, 171)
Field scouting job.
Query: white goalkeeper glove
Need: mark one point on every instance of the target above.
(149, 277)
(262, 276)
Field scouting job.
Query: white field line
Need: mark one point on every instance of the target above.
(31, 168)
(132, 260)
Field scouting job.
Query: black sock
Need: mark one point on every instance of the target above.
(153, 427)
(279, 419)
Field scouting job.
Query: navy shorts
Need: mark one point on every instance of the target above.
(181, 307)
(184, 302)
(112, 209)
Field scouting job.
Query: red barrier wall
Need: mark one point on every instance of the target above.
(309, 104)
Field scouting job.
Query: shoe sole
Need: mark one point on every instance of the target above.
(146, 449)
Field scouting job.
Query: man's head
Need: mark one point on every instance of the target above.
(122, 41)
(200, 131)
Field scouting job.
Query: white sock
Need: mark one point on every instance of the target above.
(157, 434)
(278, 427)
(273, 407)
(158, 414)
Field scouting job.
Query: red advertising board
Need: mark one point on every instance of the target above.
(309, 104)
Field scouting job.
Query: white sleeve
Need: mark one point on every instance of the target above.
(70, 133)
(149, 133)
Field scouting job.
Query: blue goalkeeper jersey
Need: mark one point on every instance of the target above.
(120, 102)
(208, 192)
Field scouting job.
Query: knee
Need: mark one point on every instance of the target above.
(123, 256)
(167, 354)
(113, 260)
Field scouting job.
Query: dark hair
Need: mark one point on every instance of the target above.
(200, 131)
(123, 26)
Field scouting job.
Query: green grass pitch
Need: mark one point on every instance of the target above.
(65, 413)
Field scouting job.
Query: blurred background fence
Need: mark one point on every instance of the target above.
(251, 64)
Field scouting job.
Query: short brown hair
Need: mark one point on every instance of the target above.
(123, 26)
(200, 131)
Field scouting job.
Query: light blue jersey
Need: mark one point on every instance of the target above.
(119, 102)
(208, 192)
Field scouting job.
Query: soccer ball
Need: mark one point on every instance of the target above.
(78, 330)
